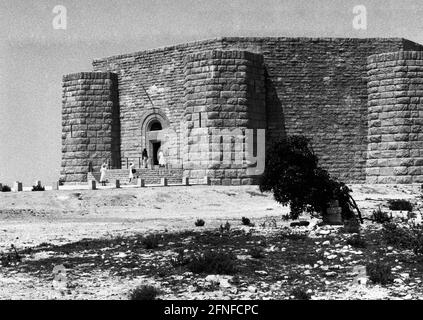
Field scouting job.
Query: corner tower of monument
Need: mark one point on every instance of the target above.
(395, 118)
(90, 124)
(224, 107)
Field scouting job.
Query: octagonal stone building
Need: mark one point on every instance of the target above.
(213, 106)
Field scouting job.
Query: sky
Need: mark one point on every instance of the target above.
(34, 55)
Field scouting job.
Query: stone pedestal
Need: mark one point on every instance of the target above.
(140, 182)
(17, 186)
(333, 216)
(92, 185)
(185, 181)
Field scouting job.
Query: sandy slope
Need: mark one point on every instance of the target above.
(57, 217)
(30, 218)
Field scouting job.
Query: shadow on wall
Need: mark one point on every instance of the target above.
(116, 127)
(275, 117)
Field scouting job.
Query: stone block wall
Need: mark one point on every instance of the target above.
(224, 96)
(90, 124)
(311, 86)
(152, 80)
(314, 86)
(318, 87)
(395, 119)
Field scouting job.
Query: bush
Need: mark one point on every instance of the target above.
(151, 241)
(38, 188)
(380, 216)
(299, 224)
(410, 238)
(417, 243)
(200, 223)
(213, 262)
(180, 260)
(300, 294)
(400, 205)
(256, 252)
(351, 226)
(293, 175)
(379, 272)
(397, 236)
(6, 188)
(144, 293)
(226, 227)
(356, 241)
(246, 221)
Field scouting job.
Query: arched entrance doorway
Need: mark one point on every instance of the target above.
(154, 143)
(153, 126)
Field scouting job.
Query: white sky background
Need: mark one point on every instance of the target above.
(34, 56)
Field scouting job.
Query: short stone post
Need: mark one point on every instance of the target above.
(140, 182)
(163, 182)
(207, 180)
(92, 185)
(117, 183)
(185, 181)
(55, 185)
(17, 186)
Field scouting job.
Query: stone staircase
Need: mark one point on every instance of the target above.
(151, 176)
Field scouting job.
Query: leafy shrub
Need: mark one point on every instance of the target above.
(295, 236)
(6, 188)
(379, 272)
(380, 216)
(417, 241)
(300, 294)
(400, 205)
(256, 252)
(299, 224)
(199, 223)
(246, 221)
(293, 175)
(286, 217)
(151, 241)
(226, 227)
(213, 262)
(351, 226)
(11, 257)
(397, 236)
(38, 188)
(144, 292)
(180, 259)
(356, 241)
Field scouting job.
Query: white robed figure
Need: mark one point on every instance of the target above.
(103, 171)
(131, 171)
(161, 158)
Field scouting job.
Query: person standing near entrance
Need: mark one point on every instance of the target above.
(131, 171)
(144, 158)
(103, 171)
(161, 158)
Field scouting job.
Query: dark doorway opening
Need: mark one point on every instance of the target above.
(156, 147)
(156, 126)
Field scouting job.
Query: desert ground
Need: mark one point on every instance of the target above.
(93, 239)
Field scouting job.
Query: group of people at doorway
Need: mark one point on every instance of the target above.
(132, 171)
